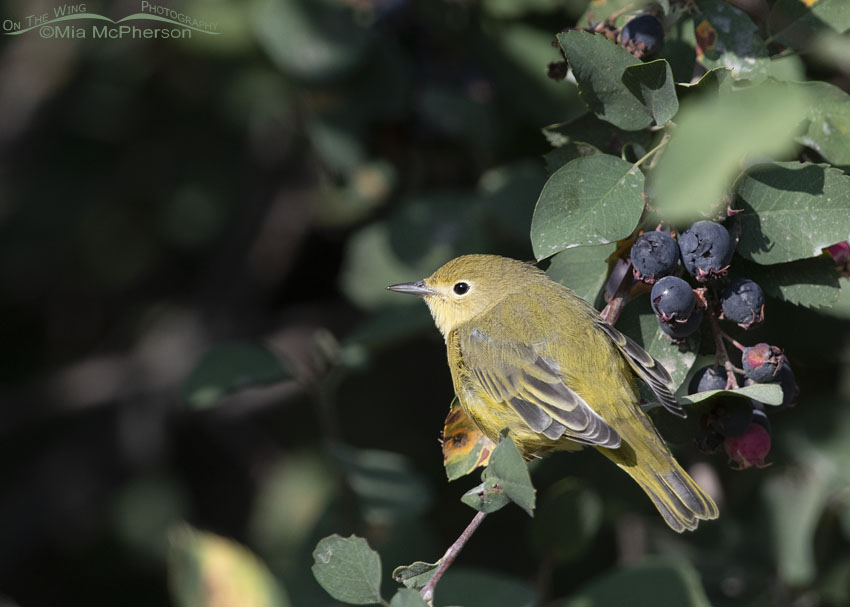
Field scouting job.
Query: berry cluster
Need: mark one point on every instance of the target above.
(705, 250)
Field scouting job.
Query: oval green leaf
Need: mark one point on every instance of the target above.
(348, 569)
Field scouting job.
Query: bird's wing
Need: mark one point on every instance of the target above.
(648, 369)
(517, 375)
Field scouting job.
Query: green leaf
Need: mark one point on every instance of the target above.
(582, 269)
(590, 130)
(207, 569)
(228, 368)
(716, 134)
(653, 583)
(562, 155)
(478, 588)
(386, 483)
(313, 40)
(652, 84)
(806, 282)
(588, 201)
(486, 497)
(791, 211)
(714, 82)
(509, 472)
(598, 65)
(348, 569)
(769, 394)
(798, 23)
(829, 122)
(841, 309)
(639, 322)
(416, 575)
(406, 597)
(727, 37)
(567, 520)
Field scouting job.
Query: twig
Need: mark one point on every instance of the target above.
(427, 592)
(651, 152)
(733, 341)
(612, 310)
(720, 353)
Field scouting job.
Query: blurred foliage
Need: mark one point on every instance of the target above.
(229, 209)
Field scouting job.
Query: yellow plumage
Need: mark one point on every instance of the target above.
(529, 355)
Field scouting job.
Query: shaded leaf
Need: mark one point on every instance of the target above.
(769, 394)
(348, 569)
(407, 598)
(680, 49)
(639, 322)
(598, 65)
(205, 569)
(799, 23)
(387, 485)
(593, 200)
(806, 282)
(716, 134)
(562, 155)
(652, 84)
(567, 520)
(791, 211)
(727, 37)
(228, 368)
(582, 269)
(474, 588)
(590, 130)
(508, 194)
(465, 447)
(416, 575)
(653, 583)
(508, 470)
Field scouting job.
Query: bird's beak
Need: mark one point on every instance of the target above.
(413, 288)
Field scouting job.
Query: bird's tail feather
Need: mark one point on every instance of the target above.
(679, 499)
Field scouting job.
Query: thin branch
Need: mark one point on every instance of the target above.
(652, 152)
(451, 554)
(732, 341)
(720, 353)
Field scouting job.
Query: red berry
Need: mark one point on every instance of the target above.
(750, 448)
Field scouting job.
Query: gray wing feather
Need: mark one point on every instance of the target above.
(535, 390)
(648, 369)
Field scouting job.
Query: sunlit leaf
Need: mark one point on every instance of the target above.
(769, 394)
(416, 575)
(207, 570)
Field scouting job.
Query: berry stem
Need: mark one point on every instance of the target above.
(427, 592)
(720, 353)
(612, 310)
(732, 340)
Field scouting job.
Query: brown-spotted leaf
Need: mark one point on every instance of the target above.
(465, 448)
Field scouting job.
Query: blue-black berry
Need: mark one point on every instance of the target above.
(706, 249)
(788, 383)
(761, 362)
(680, 330)
(654, 255)
(643, 36)
(672, 299)
(712, 377)
(743, 302)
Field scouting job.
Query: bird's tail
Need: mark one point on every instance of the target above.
(645, 457)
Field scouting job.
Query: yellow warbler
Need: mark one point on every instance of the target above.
(528, 354)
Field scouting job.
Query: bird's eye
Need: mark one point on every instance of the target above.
(460, 288)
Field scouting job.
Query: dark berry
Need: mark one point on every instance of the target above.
(643, 36)
(750, 448)
(713, 377)
(654, 255)
(788, 383)
(743, 302)
(761, 362)
(673, 299)
(706, 249)
(730, 416)
(680, 330)
(760, 416)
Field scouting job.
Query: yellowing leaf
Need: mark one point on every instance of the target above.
(465, 448)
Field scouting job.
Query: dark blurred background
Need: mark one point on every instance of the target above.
(159, 198)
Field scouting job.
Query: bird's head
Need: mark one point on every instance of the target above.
(467, 286)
